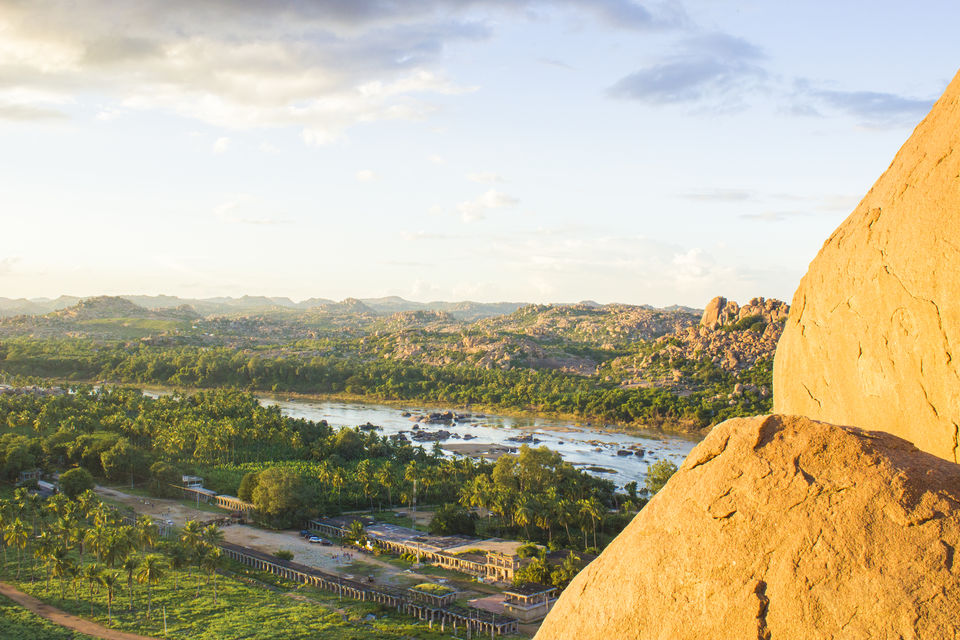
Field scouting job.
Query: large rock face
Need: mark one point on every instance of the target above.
(781, 527)
(873, 336)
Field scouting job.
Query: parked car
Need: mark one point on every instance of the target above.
(304, 533)
(325, 542)
(313, 540)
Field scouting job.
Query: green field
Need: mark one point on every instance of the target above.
(16, 623)
(242, 610)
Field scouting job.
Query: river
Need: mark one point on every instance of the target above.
(580, 445)
(589, 448)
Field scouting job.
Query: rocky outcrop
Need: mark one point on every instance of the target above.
(781, 527)
(721, 312)
(873, 337)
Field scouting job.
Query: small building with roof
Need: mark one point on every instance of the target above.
(529, 602)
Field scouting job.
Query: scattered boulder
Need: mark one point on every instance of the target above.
(781, 527)
(874, 333)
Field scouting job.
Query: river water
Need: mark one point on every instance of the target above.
(589, 448)
(580, 445)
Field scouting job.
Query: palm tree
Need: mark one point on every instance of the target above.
(593, 510)
(98, 537)
(4, 521)
(91, 573)
(34, 508)
(365, 478)
(109, 579)
(566, 515)
(179, 558)
(190, 534)
(130, 565)
(356, 532)
(15, 535)
(62, 566)
(147, 532)
(387, 477)
(543, 518)
(338, 479)
(212, 535)
(210, 562)
(199, 557)
(43, 550)
(523, 515)
(116, 547)
(151, 572)
(73, 573)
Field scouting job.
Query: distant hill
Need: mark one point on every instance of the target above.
(35, 306)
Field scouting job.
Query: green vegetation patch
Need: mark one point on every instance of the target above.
(16, 623)
(435, 589)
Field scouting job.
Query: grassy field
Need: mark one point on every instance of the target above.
(16, 623)
(242, 610)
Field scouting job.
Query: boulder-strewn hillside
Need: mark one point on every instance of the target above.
(736, 340)
(781, 527)
(627, 345)
(873, 335)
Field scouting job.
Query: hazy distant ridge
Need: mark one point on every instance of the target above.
(463, 310)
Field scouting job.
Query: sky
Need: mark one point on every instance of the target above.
(609, 150)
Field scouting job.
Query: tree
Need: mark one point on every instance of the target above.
(130, 565)
(452, 519)
(537, 571)
(109, 579)
(356, 533)
(280, 496)
(76, 481)
(146, 532)
(593, 510)
(658, 474)
(165, 479)
(91, 573)
(152, 569)
(387, 477)
(212, 560)
(247, 485)
(283, 554)
(123, 461)
(16, 536)
(60, 566)
(561, 576)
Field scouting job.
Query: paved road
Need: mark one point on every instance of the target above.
(64, 619)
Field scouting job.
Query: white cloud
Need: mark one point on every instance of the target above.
(321, 67)
(221, 145)
(366, 175)
(244, 208)
(477, 209)
(437, 159)
(485, 177)
(7, 265)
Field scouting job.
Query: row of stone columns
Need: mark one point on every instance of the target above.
(419, 611)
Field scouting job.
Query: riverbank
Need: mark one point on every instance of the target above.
(688, 428)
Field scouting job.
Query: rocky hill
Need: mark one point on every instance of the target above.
(784, 526)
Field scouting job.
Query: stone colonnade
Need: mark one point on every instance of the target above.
(473, 622)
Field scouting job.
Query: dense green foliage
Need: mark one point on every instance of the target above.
(658, 474)
(16, 623)
(227, 436)
(544, 390)
(87, 562)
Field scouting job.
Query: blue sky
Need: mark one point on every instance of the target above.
(486, 149)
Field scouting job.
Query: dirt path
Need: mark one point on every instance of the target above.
(332, 558)
(64, 619)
